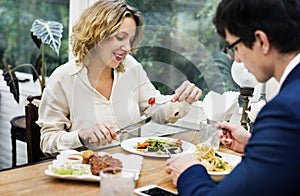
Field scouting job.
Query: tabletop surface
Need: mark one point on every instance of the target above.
(31, 180)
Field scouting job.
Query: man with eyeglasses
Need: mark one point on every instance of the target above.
(265, 36)
(229, 50)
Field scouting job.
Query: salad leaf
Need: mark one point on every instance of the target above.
(71, 169)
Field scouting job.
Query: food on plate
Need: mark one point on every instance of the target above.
(75, 158)
(151, 100)
(69, 168)
(106, 162)
(99, 163)
(211, 160)
(86, 155)
(91, 163)
(159, 146)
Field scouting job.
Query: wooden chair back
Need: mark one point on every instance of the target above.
(33, 134)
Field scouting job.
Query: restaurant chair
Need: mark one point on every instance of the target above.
(18, 132)
(34, 153)
(24, 128)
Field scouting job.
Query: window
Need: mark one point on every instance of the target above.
(179, 40)
(17, 16)
(180, 43)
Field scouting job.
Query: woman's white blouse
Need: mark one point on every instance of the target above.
(69, 104)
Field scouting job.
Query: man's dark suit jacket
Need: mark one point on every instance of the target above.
(271, 164)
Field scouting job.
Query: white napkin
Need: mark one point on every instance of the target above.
(255, 108)
(220, 107)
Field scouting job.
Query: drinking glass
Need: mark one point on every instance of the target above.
(209, 134)
(117, 184)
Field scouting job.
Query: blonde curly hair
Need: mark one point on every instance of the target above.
(100, 21)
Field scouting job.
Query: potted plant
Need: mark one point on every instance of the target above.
(42, 33)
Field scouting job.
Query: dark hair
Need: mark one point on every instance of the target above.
(279, 19)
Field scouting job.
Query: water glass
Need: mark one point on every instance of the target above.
(209, 134)
(118, 184)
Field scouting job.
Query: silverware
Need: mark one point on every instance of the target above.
(167, 150)
(152, 101)
(91, 145)
(165, 101)
(134, 125)
(170, 151)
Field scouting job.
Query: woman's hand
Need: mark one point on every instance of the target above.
(187, 92)
(177, 165)
(234, 136)
(101, 133)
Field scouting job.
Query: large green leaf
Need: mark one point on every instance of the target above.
(11, 80)
(49, 32)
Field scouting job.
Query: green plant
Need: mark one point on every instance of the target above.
(42, 33)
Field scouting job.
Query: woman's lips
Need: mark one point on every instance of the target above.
(119, 57)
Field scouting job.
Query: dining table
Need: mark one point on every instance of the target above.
(32, 180)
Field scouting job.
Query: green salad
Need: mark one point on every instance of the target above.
(72, 169)
(159, 146)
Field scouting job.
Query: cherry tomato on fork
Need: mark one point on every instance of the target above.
(151, 101)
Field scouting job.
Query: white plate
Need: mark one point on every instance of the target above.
(132, 163)
(229, 158)
(129, 145)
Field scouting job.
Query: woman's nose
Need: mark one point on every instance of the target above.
(126, 47)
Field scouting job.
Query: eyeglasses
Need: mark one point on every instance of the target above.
(229, 50)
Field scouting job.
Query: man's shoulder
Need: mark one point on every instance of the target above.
(287, 100)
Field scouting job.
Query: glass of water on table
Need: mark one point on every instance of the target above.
(116, 182)
(209, 134)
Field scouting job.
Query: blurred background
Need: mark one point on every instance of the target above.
(180, 42)
(167, 47)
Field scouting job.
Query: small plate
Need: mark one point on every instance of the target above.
(229, 158)
(132, 163)
(129, 145)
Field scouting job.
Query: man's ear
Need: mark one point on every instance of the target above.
(263, 41)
